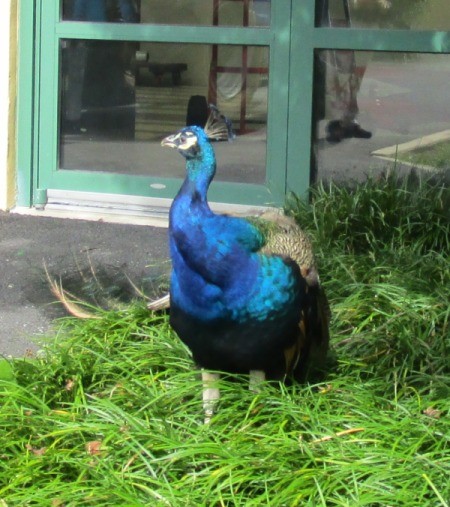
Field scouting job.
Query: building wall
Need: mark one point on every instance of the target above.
(8, 47)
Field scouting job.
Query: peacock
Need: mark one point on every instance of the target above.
(245, 295)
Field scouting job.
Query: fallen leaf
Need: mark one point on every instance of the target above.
(69, 384)
(432, 412)
(94, 448)
(36, 452)
(325, 389)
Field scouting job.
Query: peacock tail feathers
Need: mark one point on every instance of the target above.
(218, 127)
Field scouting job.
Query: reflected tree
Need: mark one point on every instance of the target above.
(387, 13)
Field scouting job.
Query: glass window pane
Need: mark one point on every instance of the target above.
(375, 110)
(119, 99)
(397, 14)
(173, 12)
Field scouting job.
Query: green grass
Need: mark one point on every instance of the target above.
(111, 414)
(436, 155)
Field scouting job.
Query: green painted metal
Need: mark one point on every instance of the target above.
(123, 184)
(38, 194)
(48, 98)
(163, 33)
(381, 40)
(300, 98)
(25, 103)
(292, 40)
(39, 197)
(278, 101)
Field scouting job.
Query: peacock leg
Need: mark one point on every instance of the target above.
(211, 393)
(257, 377)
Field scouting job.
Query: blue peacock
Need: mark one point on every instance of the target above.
(245, 295)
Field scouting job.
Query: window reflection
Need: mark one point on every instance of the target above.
(119, 99)
(375, 110)
(397, 14)
(101, 10)
(176, 12)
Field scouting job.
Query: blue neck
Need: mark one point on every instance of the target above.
(200, 172)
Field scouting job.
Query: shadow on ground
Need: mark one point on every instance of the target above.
(95, 261)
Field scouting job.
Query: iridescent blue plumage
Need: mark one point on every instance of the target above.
(237, 308)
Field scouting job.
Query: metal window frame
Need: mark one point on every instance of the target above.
(292, 38)
(43, 92)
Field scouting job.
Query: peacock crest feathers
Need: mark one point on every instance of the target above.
(218, 127)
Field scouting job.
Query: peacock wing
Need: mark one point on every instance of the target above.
(284, 237)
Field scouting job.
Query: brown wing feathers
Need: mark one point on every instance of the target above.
(310, 350)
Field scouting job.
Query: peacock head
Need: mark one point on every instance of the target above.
(192, 141)
(189, 141)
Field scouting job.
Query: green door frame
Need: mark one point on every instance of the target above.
(51, 30)
(292, 39)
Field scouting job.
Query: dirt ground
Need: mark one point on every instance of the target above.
(93, 260)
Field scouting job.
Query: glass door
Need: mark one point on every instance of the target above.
(116, 76)
(378, 78)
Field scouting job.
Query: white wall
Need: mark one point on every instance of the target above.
(5, 32)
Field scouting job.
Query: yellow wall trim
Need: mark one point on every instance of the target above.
(8, 93)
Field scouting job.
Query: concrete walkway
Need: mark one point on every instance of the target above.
(93, 260)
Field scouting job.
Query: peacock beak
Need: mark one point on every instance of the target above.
(171, 141)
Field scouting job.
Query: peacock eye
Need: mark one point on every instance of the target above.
(183, 139)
